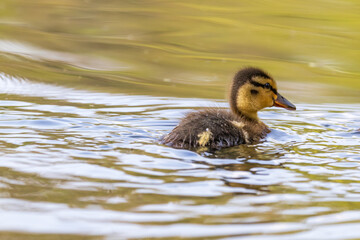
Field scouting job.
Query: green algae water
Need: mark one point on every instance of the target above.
(87, 89)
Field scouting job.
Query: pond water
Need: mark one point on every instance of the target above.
(88, 87)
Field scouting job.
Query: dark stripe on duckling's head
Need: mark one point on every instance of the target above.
(265, 86)
(241, 77)
(254, 92)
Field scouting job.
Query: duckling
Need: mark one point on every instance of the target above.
(252, 89)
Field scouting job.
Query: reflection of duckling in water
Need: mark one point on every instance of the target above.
(252, 90)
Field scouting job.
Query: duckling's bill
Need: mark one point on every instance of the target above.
(282, 102)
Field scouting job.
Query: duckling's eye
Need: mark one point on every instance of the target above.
(267, 86)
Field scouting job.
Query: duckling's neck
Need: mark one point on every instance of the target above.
(250, 115)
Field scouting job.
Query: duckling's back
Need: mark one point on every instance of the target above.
(215, 129)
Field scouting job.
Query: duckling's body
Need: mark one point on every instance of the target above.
(215, 128)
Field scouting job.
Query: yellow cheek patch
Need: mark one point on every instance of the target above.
(204, 137)
(243, 100)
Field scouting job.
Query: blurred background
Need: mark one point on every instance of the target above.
(168, 48)
(87, 89)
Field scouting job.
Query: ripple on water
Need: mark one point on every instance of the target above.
(100, 170)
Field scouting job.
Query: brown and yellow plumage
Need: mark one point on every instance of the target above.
(214, 128)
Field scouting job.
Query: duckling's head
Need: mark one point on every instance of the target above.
(252, 90)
